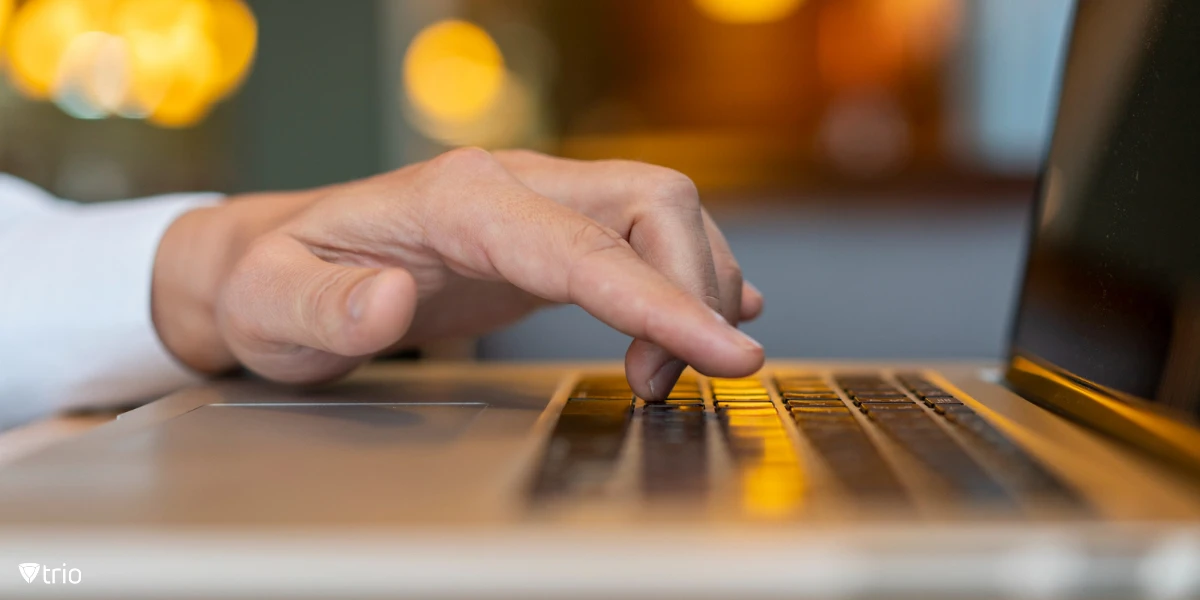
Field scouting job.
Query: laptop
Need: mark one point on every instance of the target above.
(1070, 469)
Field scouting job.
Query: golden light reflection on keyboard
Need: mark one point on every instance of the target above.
(772, 491)
(772, 479)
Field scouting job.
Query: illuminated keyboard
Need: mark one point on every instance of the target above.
(840, 421)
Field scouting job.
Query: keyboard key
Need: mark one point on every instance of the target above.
(807, 389)
(741, 397)
(747, 412)
(822, 402)
(878, 394)
(916, 432)
(676, 402)
(932, 400)
(852, 458)
(673, 408)
(823, 420)
(674, 451)
(819, 410)
(930, 391)
(736, 384)
(874, 409)
(1027, 475)
(722, 405)
(882, 400)
(874, 393)
(583, 448)
(955, 411)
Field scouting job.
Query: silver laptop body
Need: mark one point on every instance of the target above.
(1070, 470)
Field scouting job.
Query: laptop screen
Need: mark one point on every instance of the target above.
(1111, 300)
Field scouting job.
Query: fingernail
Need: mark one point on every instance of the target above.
(665, 377)
(747, 342)
(360, 297)
(753, 288)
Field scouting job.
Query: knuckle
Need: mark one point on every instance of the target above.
(520, 154)
(672, 188)
(441, 180)
(729, 271)
(468, 159)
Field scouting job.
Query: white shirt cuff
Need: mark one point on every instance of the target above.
(76, 328)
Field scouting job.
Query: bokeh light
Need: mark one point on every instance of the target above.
(459, 91)
(929, 26)
(453, 71)
(168, 61)
(872, 43)
(93, 75)
(866, 136)
(38, 39)
(5, 11)
(747, 11)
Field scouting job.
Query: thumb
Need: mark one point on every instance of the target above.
(293, 317)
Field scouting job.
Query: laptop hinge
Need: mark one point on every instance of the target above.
(1135, 422)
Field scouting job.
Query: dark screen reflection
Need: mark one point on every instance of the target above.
(1112, 293)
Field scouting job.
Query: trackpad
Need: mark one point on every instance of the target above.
(339, 424)
(310, 463)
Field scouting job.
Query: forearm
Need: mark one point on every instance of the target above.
(196, 253)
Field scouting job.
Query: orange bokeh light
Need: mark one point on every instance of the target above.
(178, 57)
(747, 11)
(870, 43)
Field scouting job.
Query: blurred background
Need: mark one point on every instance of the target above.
(871, 161)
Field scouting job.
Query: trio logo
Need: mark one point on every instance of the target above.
(29, 571)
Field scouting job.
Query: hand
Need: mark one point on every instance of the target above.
(305, 287)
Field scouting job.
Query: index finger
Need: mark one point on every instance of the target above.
(495, 227)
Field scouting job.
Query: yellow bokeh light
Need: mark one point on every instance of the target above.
(235, 38)
(193, 91)
(92, 76)
(5, 11)
(453, 72)
(38, 38)
(175, 64)
(747, 11)
(166, 60)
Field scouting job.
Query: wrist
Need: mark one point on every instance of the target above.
(194, 257)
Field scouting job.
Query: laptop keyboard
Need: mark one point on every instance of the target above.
(853, 424)
(838, 439)
(675, 443)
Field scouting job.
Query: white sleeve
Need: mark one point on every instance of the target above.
(75, 325)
